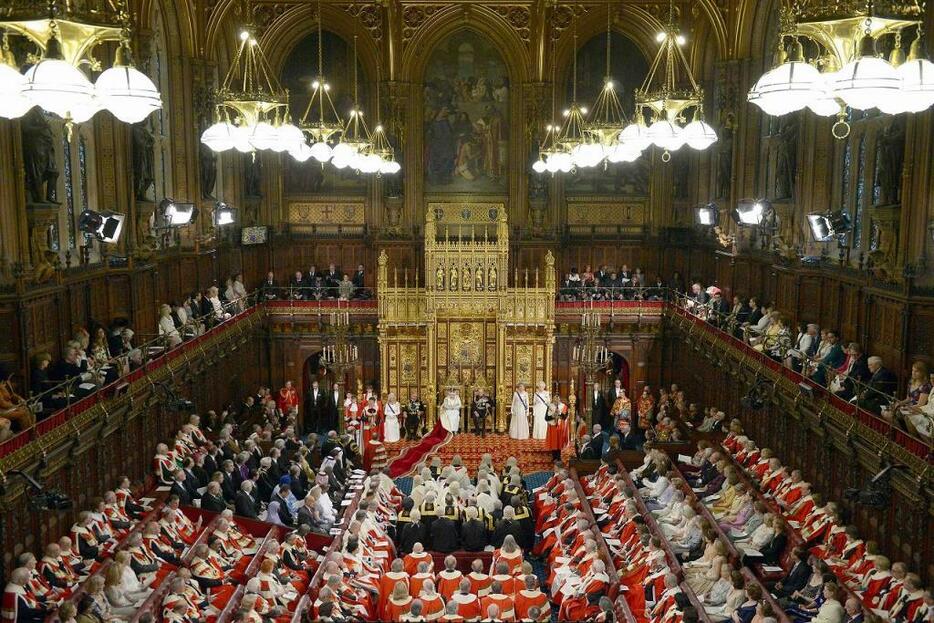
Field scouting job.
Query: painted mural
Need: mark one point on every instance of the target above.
(466, 98)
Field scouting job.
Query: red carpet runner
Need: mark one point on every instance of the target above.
(410, 457)
(532, 454)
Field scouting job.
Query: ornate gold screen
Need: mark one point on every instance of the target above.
(467, 326)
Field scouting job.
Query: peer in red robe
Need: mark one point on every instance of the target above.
(287, 398)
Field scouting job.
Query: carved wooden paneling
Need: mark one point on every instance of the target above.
(921, 334)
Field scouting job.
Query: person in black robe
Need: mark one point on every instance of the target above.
(474, 534)
(506, 525)
(524, 516)
(444, 536)
(412, 532)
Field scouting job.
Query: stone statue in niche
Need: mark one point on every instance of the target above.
(439, 278)
(207, 161)
(253, 177)
(725, 159)
(890, 159)
(44, 261)
(39, 158)
(786, 157)
(144, 178)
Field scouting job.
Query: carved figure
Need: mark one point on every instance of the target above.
(478, 277)
(452, 279)
(143, 167)
(468, 283)
(890, 158)
(39, 158)
(253, 178)
(208, 164)
(439, 278)
(787, 157)
(491, 279)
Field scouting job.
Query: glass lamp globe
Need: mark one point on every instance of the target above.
(83, 112)
(699, 135)
(341, 161)
(127, 93)
(622, 153)
(58, 87)
(917, 75)
(369, 163)
(563, 161)
(389, 167)
(867, 82)
(551, 164)
(301, 152)
(539, 166)
(666, 134)
(825, 104)
(786, 88)
(219, 137)
(321, 151)
(343, 151)
(290, 136)
(636, 136)
(241, 136)
(262, 136)
(13, 104)
(587, 155)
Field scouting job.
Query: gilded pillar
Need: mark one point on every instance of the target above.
(430, 390)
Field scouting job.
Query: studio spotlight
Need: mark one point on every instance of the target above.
(224, 214)
(708, 215)
(751, 212)
(105, 226)
(176, 214)
(826, 227)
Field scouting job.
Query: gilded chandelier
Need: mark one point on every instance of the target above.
(666, 103)
(251, 106)
(847, 67)
(339, 353)
(590, 352)
(66, 35)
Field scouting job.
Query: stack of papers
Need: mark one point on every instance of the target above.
(683, 458)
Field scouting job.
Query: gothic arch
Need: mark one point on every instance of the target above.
(753, 28)
(180, 28)
(418, 50)
(295, 24)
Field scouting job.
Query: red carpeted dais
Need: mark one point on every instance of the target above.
(532, 454)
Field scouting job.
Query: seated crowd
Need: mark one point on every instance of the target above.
(823, 356)
(392, 545)
(98, 356)
(656, 530)
(314, 285)
(609, 284)
(202, 563)
(623, 424)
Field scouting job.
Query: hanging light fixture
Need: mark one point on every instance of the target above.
(355, 137)
(67, 35)
(380, 145)
(13, 103)
(666, 104)
(607, 120)
(328, 125)
(580, 147)
(847, 71)
(250, 104)
(550, 158)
